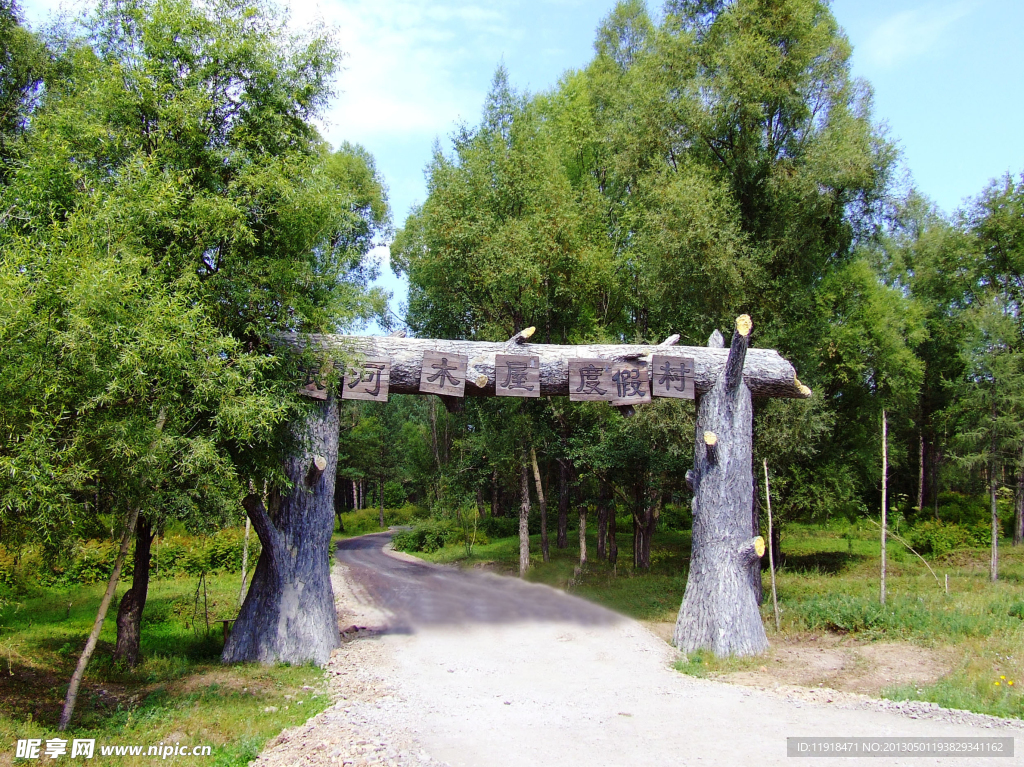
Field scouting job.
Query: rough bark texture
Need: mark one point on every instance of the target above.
(756, 584)
(544, 549)
(719, 611)
(288, 614)
(564, 482)
(583, 535)
(613, 541)
(646, 506)
(603, 496)
(129, 614)
(1018, 517)
(994, 557)
(766, 373)
(524, 518)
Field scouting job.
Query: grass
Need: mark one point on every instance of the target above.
(828, 582)
(179, 694)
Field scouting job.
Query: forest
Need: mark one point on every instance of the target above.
(168, 207)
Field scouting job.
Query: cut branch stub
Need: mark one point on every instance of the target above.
(711, 446)
(316, 468)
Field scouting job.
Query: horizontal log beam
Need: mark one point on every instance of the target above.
(764, 370)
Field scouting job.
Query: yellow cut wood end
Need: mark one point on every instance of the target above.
(743, 324)
(710, 438)
(528, 332)
(480, 381)
(804, 390)
(759, 546)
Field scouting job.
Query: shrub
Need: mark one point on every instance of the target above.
(432, 535)
(367, 520)
(499, 527)
(938, 538)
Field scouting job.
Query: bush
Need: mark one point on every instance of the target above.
(938, 538)
(394, 495)
(366, 520)
(430, 536)
(500, 527)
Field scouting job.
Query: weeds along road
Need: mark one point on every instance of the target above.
(484, 670)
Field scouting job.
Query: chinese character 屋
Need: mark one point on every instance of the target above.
(515, 375)
(28, 749)
(56, 747)
(443, 373)
(84, 748)
(628, 383)
(590, 380)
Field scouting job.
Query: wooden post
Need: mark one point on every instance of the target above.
(771, 556)
(543, 506)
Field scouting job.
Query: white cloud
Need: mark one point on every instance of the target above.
(911, 33)
(411, 69)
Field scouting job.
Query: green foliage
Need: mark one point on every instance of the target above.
(937, 538)
(366, 520)
(434, 534)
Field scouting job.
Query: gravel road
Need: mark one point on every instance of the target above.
(468, 668)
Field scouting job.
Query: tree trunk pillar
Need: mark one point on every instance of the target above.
(288, 614)
(129, 614)
(719, 611)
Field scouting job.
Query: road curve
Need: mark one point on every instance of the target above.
(418, 595)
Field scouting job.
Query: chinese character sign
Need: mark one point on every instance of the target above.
(443, 373)
(516, 375)
(314, 377)
(590, 379)
(368, 380)
(672, 376)
(631, 386)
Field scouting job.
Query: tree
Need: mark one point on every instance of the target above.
(189, 163)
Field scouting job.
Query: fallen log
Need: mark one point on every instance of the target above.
(765, 372)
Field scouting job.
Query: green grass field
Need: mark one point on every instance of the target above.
(179, 694)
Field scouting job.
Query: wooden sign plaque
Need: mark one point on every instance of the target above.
(444, 373)
(631, 384)
(517, 375)
(369, 381)
(672, 376)
(590, 379)
(313, 381)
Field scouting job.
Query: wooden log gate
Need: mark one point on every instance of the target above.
(719, 609)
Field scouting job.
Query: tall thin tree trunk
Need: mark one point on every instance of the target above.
(994, 559)
(885, 499)
(380, 499)
(245, 559)
(1018, 517)
(101, 615)
(613, 541)
(543, 506)
(288, 615)
(771, 556)
(755, 530)
(920, 469)
(602, 519)
(129, 614)
(524, 516)
(480, 508)
(562, 540)
(583, 535)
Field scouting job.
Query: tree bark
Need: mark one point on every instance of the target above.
(544, 550)
(719, 611)
(602, 519)
(885, 498)
(288, 615)
(245, 557)
(101, 615)
(613, 541)
(766, 373)
(129, 614)
(994, 558)
(564, 480)
(524, 517)
(1018, 517)
(920, 469)
(380, 499)
(756, 584)
(583, 535)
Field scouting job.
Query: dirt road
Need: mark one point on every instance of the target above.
(476, 669)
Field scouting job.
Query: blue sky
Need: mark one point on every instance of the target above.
(946, 77)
